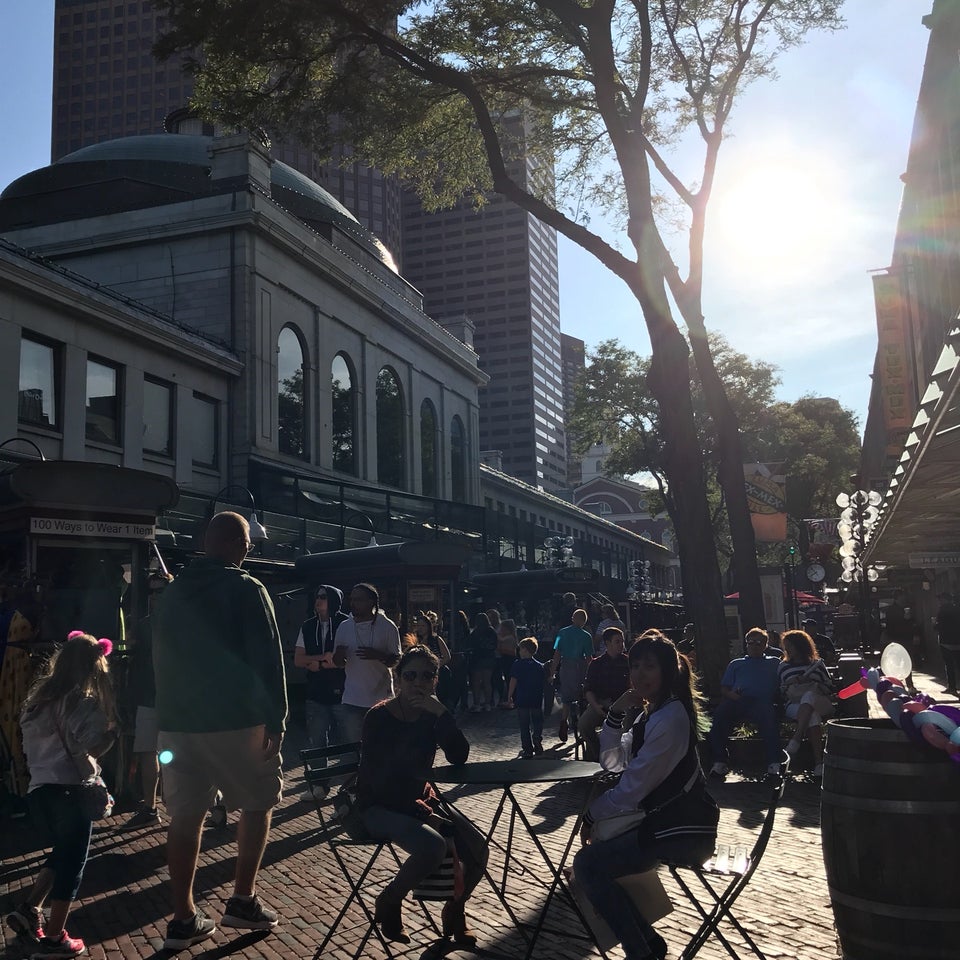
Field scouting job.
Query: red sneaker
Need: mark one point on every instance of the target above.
(65, 946)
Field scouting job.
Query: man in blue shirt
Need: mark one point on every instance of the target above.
(749, 691)
(572, 651)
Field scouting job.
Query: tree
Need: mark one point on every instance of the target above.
(613, 405)
(446, 93)
(819, 442)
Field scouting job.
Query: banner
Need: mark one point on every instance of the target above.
(892, 368)
(767, 501)
(822, 537)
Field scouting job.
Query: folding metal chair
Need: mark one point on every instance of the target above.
(725, 875)
(331, 767)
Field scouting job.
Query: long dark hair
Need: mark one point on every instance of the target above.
(677, 678)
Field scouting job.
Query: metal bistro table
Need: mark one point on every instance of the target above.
(508, 774)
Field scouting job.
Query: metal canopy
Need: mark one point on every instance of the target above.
(409, 559)
(920, 511)
(82, 485)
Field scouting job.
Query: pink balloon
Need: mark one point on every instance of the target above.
(935, 736)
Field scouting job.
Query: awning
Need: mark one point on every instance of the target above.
(409, 560)
(798, 595)
(78, 485)
(920, 511)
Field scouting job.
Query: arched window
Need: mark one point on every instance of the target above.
(458, 461)
(428, 449)
(343, 415)
(292, 413)
(390, 433)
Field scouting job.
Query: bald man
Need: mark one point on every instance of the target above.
(221, 712)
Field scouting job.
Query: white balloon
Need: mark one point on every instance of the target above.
(895, 661)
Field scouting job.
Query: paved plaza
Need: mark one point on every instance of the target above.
(125, 902)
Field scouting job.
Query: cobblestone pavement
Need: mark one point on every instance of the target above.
(124, 907)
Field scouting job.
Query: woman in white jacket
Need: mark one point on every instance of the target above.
(68, 721)
(661, 775)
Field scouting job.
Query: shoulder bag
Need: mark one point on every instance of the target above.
(93, 797)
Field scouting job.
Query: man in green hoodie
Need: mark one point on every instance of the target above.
(221, 711)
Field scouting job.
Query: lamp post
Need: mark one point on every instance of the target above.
(347, 518)
(258, 532)
(857, 519)
(559, 553)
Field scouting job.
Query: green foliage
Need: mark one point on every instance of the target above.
(429, 90)
(613, 405)
(815, 438)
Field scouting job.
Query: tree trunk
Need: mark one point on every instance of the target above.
(730, 476)
(702, 590)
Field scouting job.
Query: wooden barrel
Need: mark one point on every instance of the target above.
(890, 821)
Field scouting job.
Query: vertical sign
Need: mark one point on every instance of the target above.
(767, 501)
(892, 368)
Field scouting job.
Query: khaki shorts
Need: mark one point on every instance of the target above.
(145, 732)
(230, 761)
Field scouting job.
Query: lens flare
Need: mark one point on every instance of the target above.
(165, 756)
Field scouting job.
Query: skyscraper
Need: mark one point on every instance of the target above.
(498, 266)
(574, 358)
(107, 84)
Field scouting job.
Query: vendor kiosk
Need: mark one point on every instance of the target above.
(77, 544)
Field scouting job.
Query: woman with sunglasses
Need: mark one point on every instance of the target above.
(660, 774)
(398, 747)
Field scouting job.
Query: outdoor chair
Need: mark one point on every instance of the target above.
(725, 875)
(330, 768)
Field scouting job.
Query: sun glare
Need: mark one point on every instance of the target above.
(778, 217)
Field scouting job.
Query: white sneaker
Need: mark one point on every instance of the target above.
(793, 747)
(818, 771)
(719, 770)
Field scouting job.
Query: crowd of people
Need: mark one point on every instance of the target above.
(637, 710)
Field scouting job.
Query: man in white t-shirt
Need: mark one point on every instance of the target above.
(368, 647)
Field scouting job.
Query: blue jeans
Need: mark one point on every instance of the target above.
(531, 722)
(760, 712)
(427, 848)
(56, 811)
(598, 865)
(349, 720)
(321, 721)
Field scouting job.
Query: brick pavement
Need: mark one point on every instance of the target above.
(124, 906)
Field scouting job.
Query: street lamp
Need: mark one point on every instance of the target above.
(559, 552)
(358, 513)
(856, 521)
(258, 532)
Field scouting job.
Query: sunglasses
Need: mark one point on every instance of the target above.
(411, 675)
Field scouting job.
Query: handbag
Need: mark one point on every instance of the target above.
(95, 799)
(606, 828)
(442, 883)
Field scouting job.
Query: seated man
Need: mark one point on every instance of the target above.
(749, 691)
(825, 648)
(608, 677)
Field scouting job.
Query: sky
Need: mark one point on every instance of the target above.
(805, 204)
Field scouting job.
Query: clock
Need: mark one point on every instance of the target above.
(815, 572)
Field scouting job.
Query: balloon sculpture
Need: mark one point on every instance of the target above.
(920, 717)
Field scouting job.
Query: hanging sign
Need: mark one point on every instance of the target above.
(108, 529)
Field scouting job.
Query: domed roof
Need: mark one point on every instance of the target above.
(303, 197)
